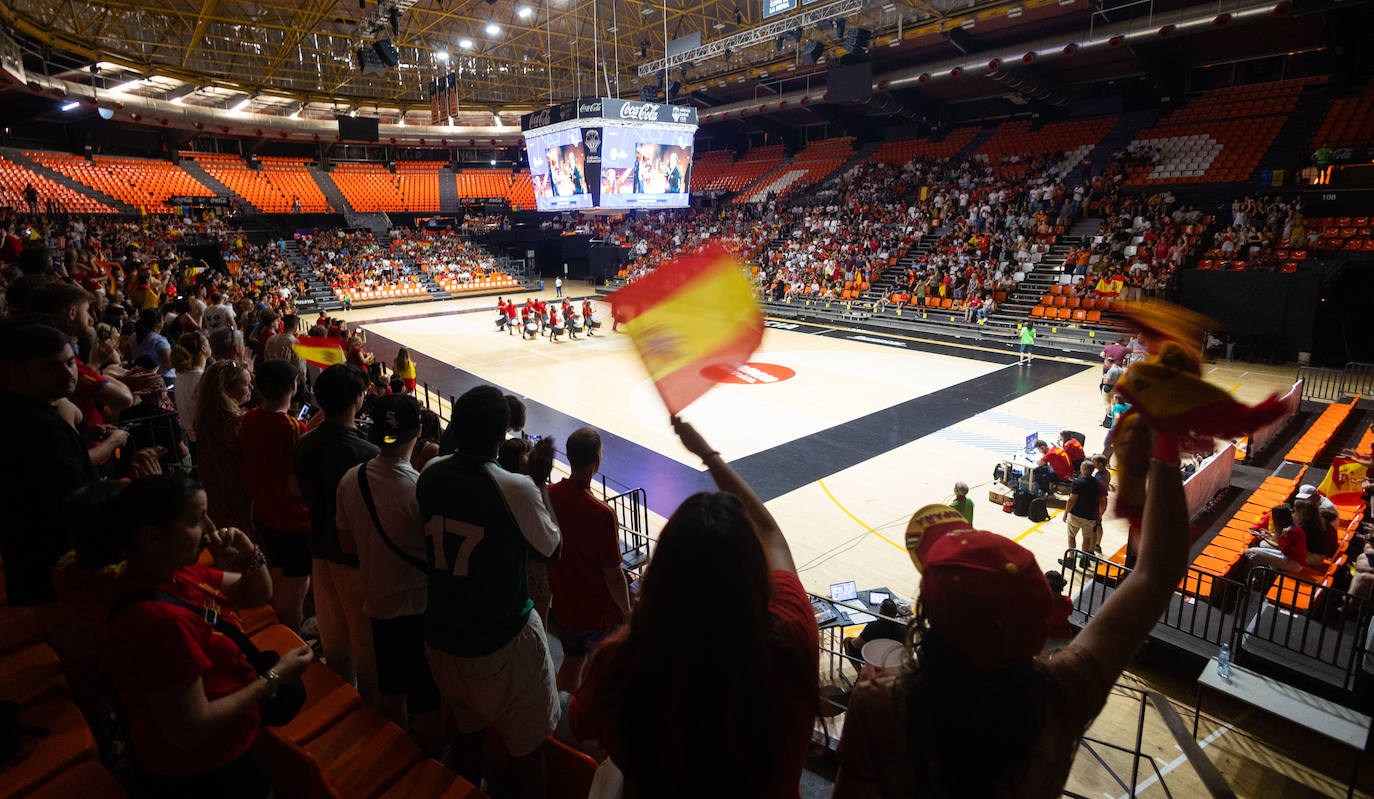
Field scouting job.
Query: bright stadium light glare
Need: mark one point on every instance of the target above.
(525, 12)
(70, 106)
(442, 55)
(493, 29)
(466, 44)
(242, 104)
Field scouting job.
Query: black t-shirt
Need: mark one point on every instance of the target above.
(320, 459)
(1088, 489)
(46, 460)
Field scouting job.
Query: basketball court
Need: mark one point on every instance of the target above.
(842, 432)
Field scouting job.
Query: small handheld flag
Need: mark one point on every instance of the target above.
(691, 320)
(321, 351)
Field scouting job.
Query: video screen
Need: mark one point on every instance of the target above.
(558, 170)
(645, 168)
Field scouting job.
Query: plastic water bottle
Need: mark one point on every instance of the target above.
(1224, 663)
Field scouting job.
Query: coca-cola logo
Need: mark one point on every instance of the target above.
(590, 108)
(540, 118)
(593, 141)
(644, 112)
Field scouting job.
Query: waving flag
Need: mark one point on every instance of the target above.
(1342, 483)
(691, 320)
(1110, 286)
(320, 350)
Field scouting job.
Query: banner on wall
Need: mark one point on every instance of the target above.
(433, 102)
(453, 95)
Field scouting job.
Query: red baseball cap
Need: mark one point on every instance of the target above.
(983, 592)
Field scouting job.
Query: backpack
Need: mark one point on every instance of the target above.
(1021, 501)
(1037, 512)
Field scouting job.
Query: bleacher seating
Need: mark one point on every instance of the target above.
(1337, 233)
(13, 179)
(1349, 122)
(273, 188)
(1075, 139)
(140, 182)
(753, 165)
(1218, 136)
(521, 190)
(900, 152)
(483, 183)
(813, 163)
(414, 187)
(706, 167)
(1317, 437)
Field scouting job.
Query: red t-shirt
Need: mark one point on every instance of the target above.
(153, 646)
(791, 609)
(1074, 450)
(88, 382)
(591, 545)
(268, 440)
(1294, 544)
(1059, 462)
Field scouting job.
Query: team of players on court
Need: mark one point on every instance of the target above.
(552, 319)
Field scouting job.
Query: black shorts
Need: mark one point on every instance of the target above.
(289, 552)
(399, 648)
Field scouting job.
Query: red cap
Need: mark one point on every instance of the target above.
(983, 592)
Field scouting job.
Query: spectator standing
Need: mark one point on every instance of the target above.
(320, 459)
(1112, 372)
(1082, 510)
(404, 368)
(189, 357)
(720, 555)
(558, 287)
(1027, 343)
(46, 458)
(224, 389)
(961, 501)
(590, 597)
(149, 341)
(984, 616)
(486, 649)
(382, 523)
(427, 445)
(268, 434)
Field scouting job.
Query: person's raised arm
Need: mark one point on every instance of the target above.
(775, 547)
(1116, 631)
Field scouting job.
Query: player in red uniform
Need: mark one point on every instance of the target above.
(588, 319)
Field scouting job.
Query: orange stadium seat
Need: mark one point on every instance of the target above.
(140, 182)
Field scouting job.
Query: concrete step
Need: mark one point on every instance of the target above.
(330, 190)
(198, 172)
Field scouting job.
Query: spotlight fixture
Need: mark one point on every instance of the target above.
(739, 18)
(728, 53)
(525, 12)
(442, 55)
(465, 44)
(493, 29)
(395, 19)
(72, 106)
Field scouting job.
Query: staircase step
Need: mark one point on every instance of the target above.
(195, 170)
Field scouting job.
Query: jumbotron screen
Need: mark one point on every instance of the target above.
(642, 168)
(558, 169)
(613, 154)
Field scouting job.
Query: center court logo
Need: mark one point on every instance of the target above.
(749, 374)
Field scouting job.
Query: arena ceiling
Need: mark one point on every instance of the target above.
(297, 57)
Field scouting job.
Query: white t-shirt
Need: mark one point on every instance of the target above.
(391, 587)
(217, 316)
(184, 392)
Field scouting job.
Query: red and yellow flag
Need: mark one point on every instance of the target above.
(691, 320)
(1342, 483)
(1110, 286)
(321, 351)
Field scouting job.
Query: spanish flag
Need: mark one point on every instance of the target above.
(1110, 286)
(1342, 483)
(691, 320)
(321, 351)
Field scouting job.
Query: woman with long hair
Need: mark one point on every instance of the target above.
(224, 389)
(656, 698)
(191, 694)
(404, 368)
(974, 712)
(189, 357)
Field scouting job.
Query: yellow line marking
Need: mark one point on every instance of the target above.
(1036, 528)
(821, 483)
(1061, 359)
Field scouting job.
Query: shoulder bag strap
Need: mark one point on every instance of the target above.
(211, 617)
(377, 522)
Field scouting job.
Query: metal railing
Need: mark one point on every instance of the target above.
(1333, 385)
(1203, 605)
(1299, 624)
(632, 513)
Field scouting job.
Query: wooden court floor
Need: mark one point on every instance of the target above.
(865, 429)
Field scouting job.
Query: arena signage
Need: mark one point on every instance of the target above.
(607, 108)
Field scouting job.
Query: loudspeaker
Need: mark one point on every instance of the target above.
(857, 38)
(387, 52)
(648, 94)
(812, 52)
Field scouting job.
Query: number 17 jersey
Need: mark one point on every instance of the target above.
(481, 523)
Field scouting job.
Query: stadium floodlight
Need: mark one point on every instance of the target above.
(442, 55)
(73, 105)
(525, 12)
(125, 87)
(241, 104)
(465, 44)
(493, 29)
